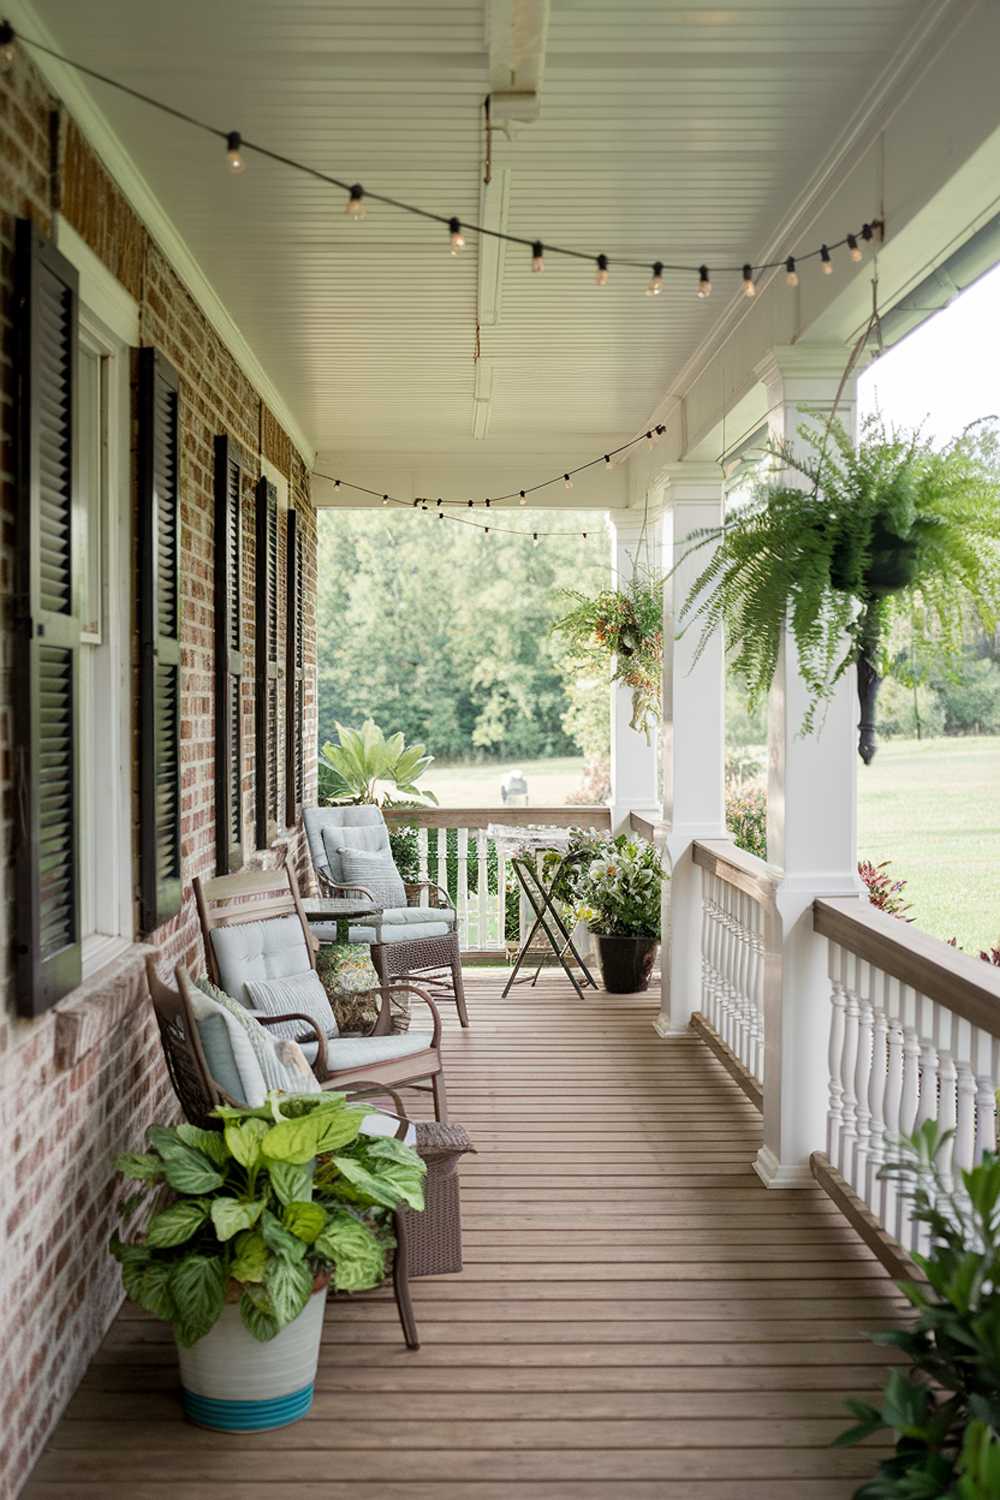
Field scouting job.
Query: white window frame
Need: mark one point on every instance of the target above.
(109, 326)
(280, 482)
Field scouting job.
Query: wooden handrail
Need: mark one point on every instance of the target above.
(745, 871)
(481, 817)
(645, 827)
(966, 986)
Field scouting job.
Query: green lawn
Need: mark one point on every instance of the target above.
(933, 808)
(549, 781)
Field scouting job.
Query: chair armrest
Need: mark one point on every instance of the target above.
(410, 989)
(373, 1090)
(319, 1067)
(331, 888)
(414, 887)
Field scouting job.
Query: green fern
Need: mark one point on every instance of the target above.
(891, 531)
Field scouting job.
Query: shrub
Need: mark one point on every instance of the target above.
(970, 698)
(900, 715)
(883, 891)
(746, 819)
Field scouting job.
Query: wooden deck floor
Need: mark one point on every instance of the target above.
(638, 1315)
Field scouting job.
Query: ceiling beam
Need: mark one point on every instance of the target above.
(516, 33)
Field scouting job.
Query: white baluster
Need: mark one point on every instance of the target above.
(872, 1191)
(909, 1099)
(862, 1076)
(422, 870)
(757, 994)
(501, 912)
(838, 1005)
(849, 1063)
(462, 901)
(928, 1104)
(442, 861)
(985, 1056)
(483, 887)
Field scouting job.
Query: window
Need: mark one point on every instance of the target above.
(101, 535)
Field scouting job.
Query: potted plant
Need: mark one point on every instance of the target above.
(944, 1410)
(623, 628)
(250, 1224)
(891, 537)
(617, 891)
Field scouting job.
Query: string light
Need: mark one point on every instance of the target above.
(470, 503)
(336, 484)
(655, 286)
(356, 206)
(534, 537)
(791, 275)
(457, 237)
(524, 499)
(234, 152)
(385, 499)
(567, 482)
(853, 248)
(827, 263)
(440, 503)
(486, 532)
(607, 459)
(487, 504)
(749, 289)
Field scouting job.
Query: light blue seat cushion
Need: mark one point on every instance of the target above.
(402, 924)
(253, 951)
(359, 1051)
(375, 870)
(242, 1058)
(415, 916)
(300, 992)
(370, 838)
(407, 934)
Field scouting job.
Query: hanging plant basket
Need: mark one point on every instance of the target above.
(621, 631)
(879, 564)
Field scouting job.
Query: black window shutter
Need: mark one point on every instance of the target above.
(160, 651)
(230, 462)
(266, 687)
(294, 676)
(46, 648)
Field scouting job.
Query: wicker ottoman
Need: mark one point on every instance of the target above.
(434, 1237)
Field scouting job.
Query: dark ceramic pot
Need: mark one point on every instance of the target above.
(626, 963)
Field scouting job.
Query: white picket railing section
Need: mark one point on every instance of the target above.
(899, 1055)
(737, 902)
(480, 899)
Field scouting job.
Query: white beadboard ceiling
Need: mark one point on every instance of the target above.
(678, 130)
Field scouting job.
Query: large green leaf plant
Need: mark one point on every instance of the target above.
(944, 1410)
(256, 1211)
(365, 766)
(863, 545)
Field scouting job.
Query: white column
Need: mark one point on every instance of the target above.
(633, 757)
(811, 820)
(694, 735)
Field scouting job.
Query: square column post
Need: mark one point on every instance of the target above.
(694, 741)
(811, 818)
(633, 757)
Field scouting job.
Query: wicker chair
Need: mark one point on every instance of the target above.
(268, 895)
(427, 1243)
(401, 942)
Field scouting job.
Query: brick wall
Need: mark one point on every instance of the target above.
(82, 1082)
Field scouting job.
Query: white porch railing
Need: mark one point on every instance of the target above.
(914, 1036)
(453, 849)
(737, 929)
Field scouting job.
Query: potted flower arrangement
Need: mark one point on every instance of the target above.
(617, 893)
(623, 628)
(250, 1224)
(890, 532)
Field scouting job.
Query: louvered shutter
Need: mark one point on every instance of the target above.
(46, 647)
(266, 687)
(159, 627)
(229, 465)
(294, 675)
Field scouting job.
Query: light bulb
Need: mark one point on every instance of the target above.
(791, 275)
(868, 230)
(584, 536)
(655, 286)
(356, 208)
(538, 256)
(487, 504)
(457, 237)
(385, 499)
(749, 290)
(486, 532)
(704, 283)
(336, 484)
(439, 504)
(567, 482)
(234, 152)
(827, 263)
(7, 49)
(470, 503)
(602, 271)
(853, 248)
(534, 537)
(607, 459)
(440, 514)
(651, 437)
(524, 499)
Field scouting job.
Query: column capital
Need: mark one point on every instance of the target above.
(627, 524)
(687, 482)
(789, 361)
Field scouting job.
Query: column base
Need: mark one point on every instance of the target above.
(773, 1174)
(663, 1026)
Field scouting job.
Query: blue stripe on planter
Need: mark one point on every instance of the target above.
(247, 1416)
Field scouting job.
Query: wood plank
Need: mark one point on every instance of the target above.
(638, 1317)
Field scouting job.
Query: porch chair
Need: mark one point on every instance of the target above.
(256, 934)
(428, 1243)
(351, 856)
